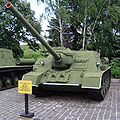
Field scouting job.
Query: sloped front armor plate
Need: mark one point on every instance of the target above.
(57, 76)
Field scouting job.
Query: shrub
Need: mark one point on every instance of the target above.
(115, 70)
(30, 54)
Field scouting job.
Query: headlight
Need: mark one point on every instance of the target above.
(42, 62)
(98, 63)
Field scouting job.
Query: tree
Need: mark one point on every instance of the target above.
(88, 24)
(12, 30)
(104, 30)
(55, 9)
(96, 21)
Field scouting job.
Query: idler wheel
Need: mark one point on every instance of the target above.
(104, 87)
(16, 78)
(1, 84)
(8, 82)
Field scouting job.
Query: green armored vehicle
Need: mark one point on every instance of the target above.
(66, 70)
(12, 70)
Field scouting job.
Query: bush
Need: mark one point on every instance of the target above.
(30, 54)
(35, 56)
(115, 70)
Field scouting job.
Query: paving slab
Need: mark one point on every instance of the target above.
(63, 106)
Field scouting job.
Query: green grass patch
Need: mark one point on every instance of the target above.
(31, 54)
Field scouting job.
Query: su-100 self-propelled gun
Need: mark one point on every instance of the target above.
(66, 70)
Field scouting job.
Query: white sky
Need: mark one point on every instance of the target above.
(39, 9)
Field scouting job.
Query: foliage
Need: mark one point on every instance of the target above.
(95, 21)
(29, 53)
(12, 30)
(104, 39)
(115, 70)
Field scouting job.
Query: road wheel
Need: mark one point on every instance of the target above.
(1, 84)
(8, 82)
(16, 78)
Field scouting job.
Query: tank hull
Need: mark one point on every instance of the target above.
(95, 93)
(82, 75)
(10, 72)
(81, 84)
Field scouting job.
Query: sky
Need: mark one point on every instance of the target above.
(39, 9)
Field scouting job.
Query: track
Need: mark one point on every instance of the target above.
(9, 75)
(105, 84)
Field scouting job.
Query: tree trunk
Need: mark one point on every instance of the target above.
(84, 25)
(97, 18)
(60, 25)
(61, 32)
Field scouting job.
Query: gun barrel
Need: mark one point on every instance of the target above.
(31, 29)
(25, 61)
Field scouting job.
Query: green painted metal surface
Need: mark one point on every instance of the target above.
(81, 69)
(6, 58)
